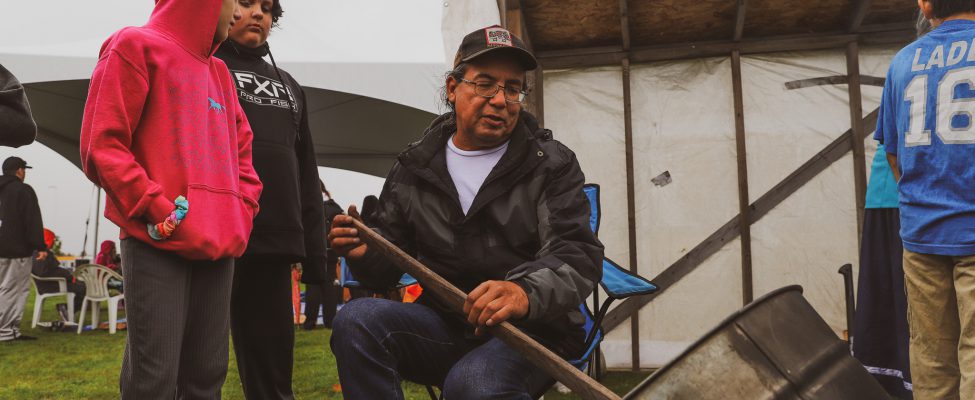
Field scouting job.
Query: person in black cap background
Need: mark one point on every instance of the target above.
(324, 296)
(17, 127)
(291, 225)
(490, 202)
(21, 235)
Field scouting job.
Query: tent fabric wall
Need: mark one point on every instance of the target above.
(683, 123)
(812, 233)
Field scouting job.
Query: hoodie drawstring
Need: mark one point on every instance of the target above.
(294, 111)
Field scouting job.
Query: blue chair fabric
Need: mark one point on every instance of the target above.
(619, 283)
(348, 281)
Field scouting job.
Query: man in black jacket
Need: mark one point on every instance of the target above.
(490, 202)
(21, 234)
(17, 128)
(291, 225)
(49, 268)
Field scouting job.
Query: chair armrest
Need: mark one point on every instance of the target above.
(115, 274)
(620, 283)
(62, 282)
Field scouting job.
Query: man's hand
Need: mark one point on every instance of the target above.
(493, 302)
(344, 239)
(41, 255)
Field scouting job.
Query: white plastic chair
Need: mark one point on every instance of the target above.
(39, 299)
(96, 284)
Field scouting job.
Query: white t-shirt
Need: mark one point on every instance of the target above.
(469, 169)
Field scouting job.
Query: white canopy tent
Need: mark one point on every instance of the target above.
(372, 77)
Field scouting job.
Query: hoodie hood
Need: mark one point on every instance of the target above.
(191, 23)
(107, 247)
(106, 253)
(6, 180)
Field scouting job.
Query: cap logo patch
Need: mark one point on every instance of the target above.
(497, 37)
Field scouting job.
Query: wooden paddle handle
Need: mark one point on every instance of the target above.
(543, 358)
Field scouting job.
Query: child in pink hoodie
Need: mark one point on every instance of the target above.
(163, 131)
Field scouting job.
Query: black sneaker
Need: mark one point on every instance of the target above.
(25, 337)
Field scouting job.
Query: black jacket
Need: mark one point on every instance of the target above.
(291, 224)
(529, 224)
(17, 128)
(49, 268)
(21, 227)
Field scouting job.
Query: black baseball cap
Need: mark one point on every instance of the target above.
(494, 38)
(13, 164)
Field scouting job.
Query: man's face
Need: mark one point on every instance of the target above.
(21, 174)
(228, 14)
(486, 122)
(255, 23)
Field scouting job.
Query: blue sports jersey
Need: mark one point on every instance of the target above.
(926, 120)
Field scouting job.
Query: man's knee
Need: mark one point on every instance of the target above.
(468, 381)
(478, 380)
(356, 319)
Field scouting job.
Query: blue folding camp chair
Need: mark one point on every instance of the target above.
(617, 283)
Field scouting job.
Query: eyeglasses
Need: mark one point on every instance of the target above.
(490, 89)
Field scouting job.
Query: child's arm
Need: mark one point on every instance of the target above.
(892, 161)
(116, 99)
(250, 184)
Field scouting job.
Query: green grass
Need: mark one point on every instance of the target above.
(64, 365)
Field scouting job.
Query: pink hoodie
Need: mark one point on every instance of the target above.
(162, 120)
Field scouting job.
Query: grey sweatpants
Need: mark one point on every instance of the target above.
(178, 314)
(14, 287)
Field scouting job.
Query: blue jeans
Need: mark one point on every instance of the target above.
(378, 342)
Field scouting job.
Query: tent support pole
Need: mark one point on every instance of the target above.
(503, 13)
(514, 20)
(740, 20)
(630, 185)
(744, 214)
(631, 205)
(538, 95)
(856, 120)
(98, 215)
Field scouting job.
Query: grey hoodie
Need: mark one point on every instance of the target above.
(17, 127)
